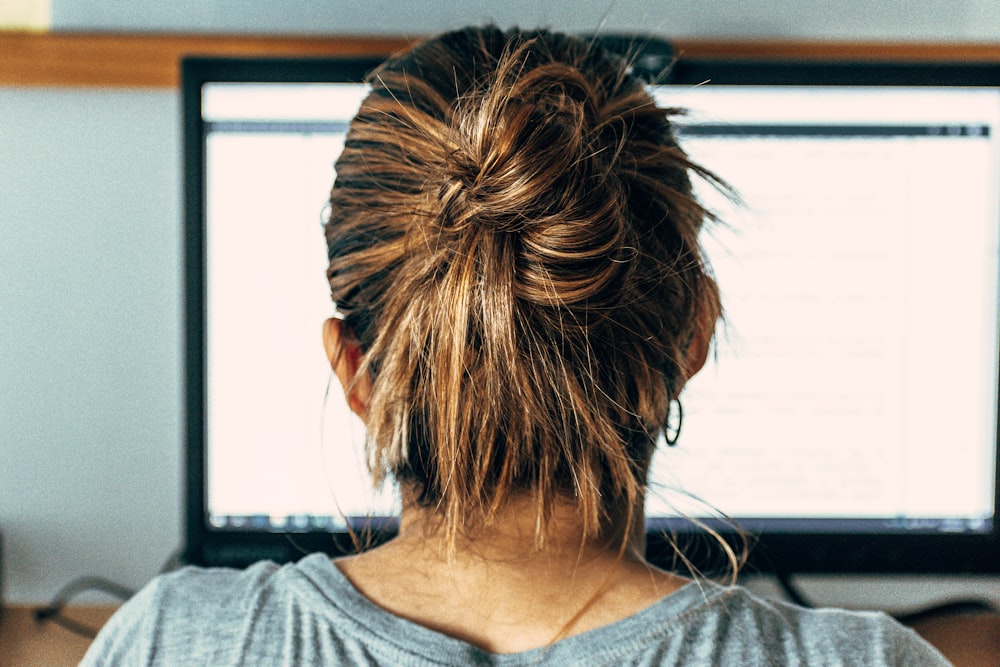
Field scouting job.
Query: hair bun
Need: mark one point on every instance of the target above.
(532, 159)
(513, 157)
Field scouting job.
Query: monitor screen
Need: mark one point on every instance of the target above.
(848, 418)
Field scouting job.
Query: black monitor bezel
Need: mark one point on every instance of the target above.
(937, 553)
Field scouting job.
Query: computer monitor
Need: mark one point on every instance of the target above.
(848, 422)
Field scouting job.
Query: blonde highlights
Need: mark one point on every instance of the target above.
(513, 240)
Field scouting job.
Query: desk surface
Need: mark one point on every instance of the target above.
(24, 642)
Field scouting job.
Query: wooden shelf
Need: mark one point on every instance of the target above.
(151, 60)
(845, 51)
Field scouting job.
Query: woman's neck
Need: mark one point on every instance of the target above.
(516, 532)
(500, 590)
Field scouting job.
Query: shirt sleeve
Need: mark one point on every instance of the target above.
(912, 649)
(191, 616)
(127, 638)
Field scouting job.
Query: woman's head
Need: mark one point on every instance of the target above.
(513, 244)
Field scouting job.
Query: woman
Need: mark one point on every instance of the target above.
(513, 247)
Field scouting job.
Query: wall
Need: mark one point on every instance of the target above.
(959, 20)
(90, 295)
(90, 324)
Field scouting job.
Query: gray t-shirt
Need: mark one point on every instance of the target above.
(310, 614)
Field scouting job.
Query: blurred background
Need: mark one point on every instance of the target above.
(90, 260)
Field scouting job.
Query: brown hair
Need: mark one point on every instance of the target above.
(513, 241)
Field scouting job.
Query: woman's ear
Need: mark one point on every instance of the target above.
(345, 355)
(697, 352)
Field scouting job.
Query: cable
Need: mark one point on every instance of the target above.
(950, 608)
(791, 590)
(909, 618)
(53, 612)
